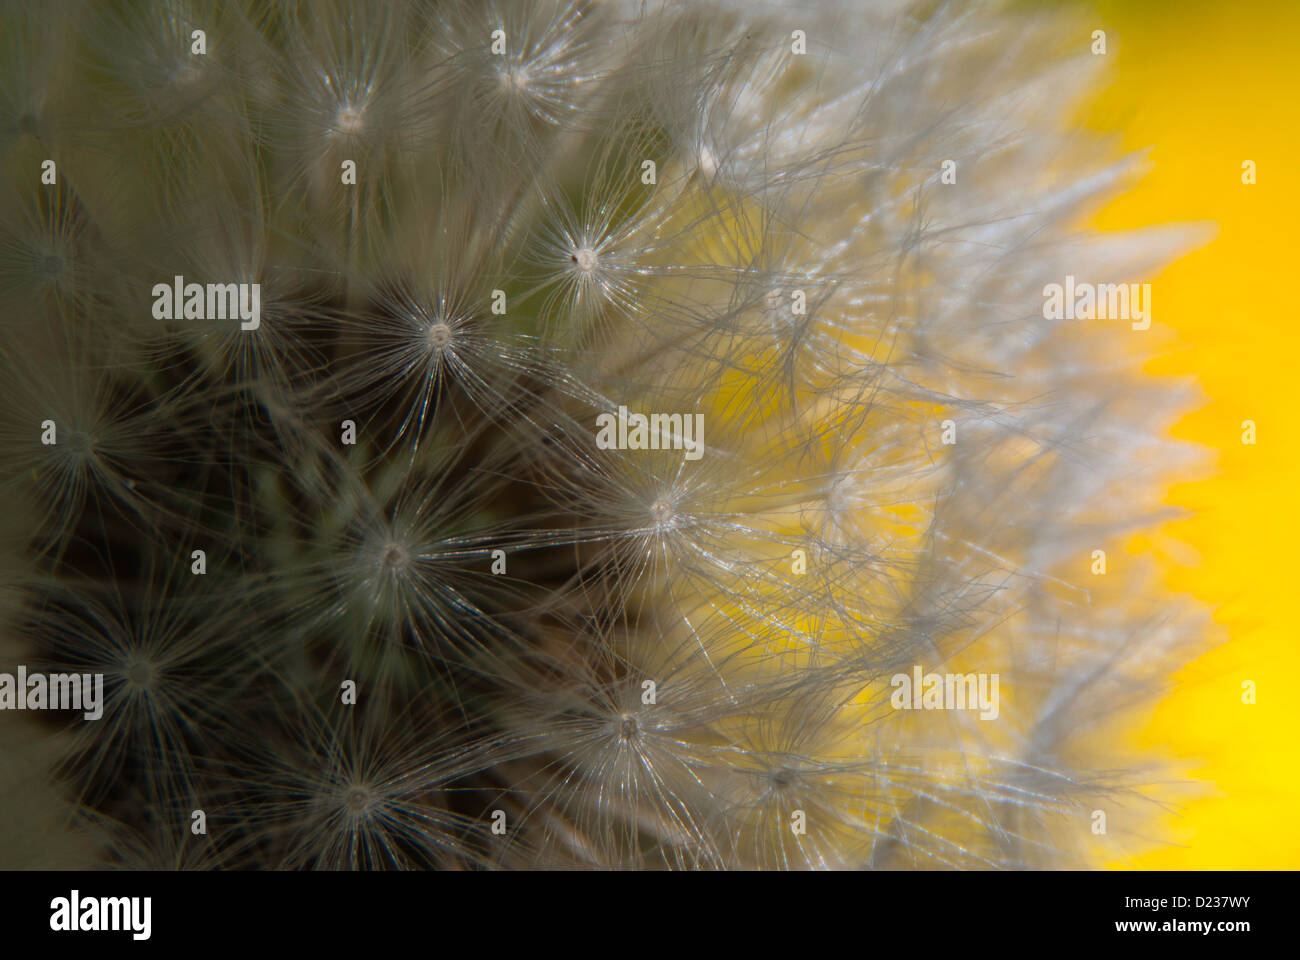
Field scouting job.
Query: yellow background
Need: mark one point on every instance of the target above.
(1208, 85)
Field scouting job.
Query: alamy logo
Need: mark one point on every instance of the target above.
(55, 691)
(75, 913)
(658, 431)
(948, 691)
(1102, 301)
(218, 301)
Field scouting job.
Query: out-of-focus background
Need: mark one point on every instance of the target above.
(1207, 86)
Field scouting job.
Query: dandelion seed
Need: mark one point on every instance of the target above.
(350, 119)
(662, 512)
(339, 793)
(439, 335)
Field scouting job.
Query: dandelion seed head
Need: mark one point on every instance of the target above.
(644, 652)
(515, 77)
(140, 673)
(358, 799)
(81, 445)
(395, 558)
(350, 120)
(664, 513)
(782, 778)
(439, 335)
(843, 495)
(187, 74)
(333, 792)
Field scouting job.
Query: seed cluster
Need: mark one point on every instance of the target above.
(374, 574)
